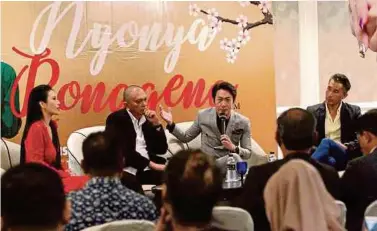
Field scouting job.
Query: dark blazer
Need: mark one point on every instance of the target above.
(348, 115)
(359, 188)
(252, 200)
(119, 125)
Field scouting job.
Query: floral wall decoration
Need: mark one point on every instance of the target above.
(232, 46)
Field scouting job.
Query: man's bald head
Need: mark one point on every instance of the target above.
(135, 100)
(128, 94)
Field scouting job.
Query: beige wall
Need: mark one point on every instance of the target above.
(253, 71)
(337, 53)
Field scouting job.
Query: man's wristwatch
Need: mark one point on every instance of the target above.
(237, 150)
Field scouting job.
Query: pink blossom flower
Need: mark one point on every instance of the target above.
(215, 25)
(194, 10)
(243, 36)
(242, 21)
(244, 3)
(212, 13)
(265, 6)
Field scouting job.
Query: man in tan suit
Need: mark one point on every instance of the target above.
(216, 139)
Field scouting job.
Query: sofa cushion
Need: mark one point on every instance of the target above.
(174, 145)
(194, 144)
(2, 171)
(10, 154)
(74, 147)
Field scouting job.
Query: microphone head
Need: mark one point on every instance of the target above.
(222, 117)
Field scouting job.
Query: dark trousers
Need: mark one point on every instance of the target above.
(146, 177)
(150, 177)
(131, 182)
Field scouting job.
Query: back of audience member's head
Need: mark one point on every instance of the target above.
(296, 199)
(296, 129)
(32, 198)
(193, 184)
(101, 157)
(367, 130)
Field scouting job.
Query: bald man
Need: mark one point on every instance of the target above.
(140, 136)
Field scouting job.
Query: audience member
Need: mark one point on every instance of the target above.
(359, 181)
(141, 137)
(104, 198)
(297, 200)
(295, 135)
(191, 188)
(33, 199)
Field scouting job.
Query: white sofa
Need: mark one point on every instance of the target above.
(10, 154)
(75, 140)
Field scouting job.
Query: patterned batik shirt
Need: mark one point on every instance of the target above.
(105, 199)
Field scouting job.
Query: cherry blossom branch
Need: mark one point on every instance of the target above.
(266, 20)
(234, 22)
(233, 46)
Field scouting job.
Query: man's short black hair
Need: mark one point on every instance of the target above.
(342, 79)
(296, 129)
(32, 196)
(368, 122)
(224, 86)
(101, 155)
(193, 186)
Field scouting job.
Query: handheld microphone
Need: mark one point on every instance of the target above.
(222, 124)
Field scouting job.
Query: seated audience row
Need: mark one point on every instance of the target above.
(105, 199)
(295, 135)
(40, 204)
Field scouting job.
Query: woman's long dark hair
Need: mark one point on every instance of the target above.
(34, 114)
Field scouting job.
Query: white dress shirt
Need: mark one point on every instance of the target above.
(333, 126)
(141, 145)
